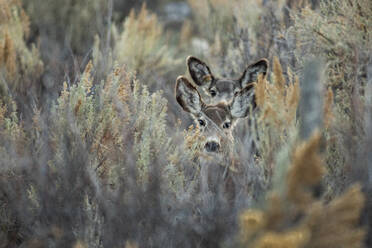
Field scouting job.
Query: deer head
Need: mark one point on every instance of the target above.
(223, 90)
(215, 122)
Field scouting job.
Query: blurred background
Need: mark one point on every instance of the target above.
(96, 152)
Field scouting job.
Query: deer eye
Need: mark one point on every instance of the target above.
(213, 93)
(201, 122)
(226, 125)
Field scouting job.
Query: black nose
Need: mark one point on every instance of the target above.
(212, 146)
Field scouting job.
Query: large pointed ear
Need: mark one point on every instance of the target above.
(251, 73)
(199, 71)
(187, 96)
(242, 102)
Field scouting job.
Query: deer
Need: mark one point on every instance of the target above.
(236, 100)
(216, 121)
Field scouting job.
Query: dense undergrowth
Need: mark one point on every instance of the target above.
(96, 152)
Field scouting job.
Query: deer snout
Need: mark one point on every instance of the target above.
(212, 146)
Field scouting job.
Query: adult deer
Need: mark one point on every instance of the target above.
(216, 121)
(235, 99)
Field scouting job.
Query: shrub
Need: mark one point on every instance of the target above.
(142, 46)
(229, 30)
(240, 33)
(338, 32)
(71, 22)
(295, 218)
(20, 66)
(277, 123)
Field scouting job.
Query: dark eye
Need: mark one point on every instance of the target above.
(201, 122)
(213, 93)
(226, 125)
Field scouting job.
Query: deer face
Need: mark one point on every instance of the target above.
(216, 122)
(223, 90)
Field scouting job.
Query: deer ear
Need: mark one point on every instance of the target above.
(187, 96)
(251, 73)
(242, 102)
(199, 71)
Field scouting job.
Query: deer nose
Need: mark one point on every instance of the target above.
(212, 146)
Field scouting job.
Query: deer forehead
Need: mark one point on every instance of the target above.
(225, 85)
(218, 113)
